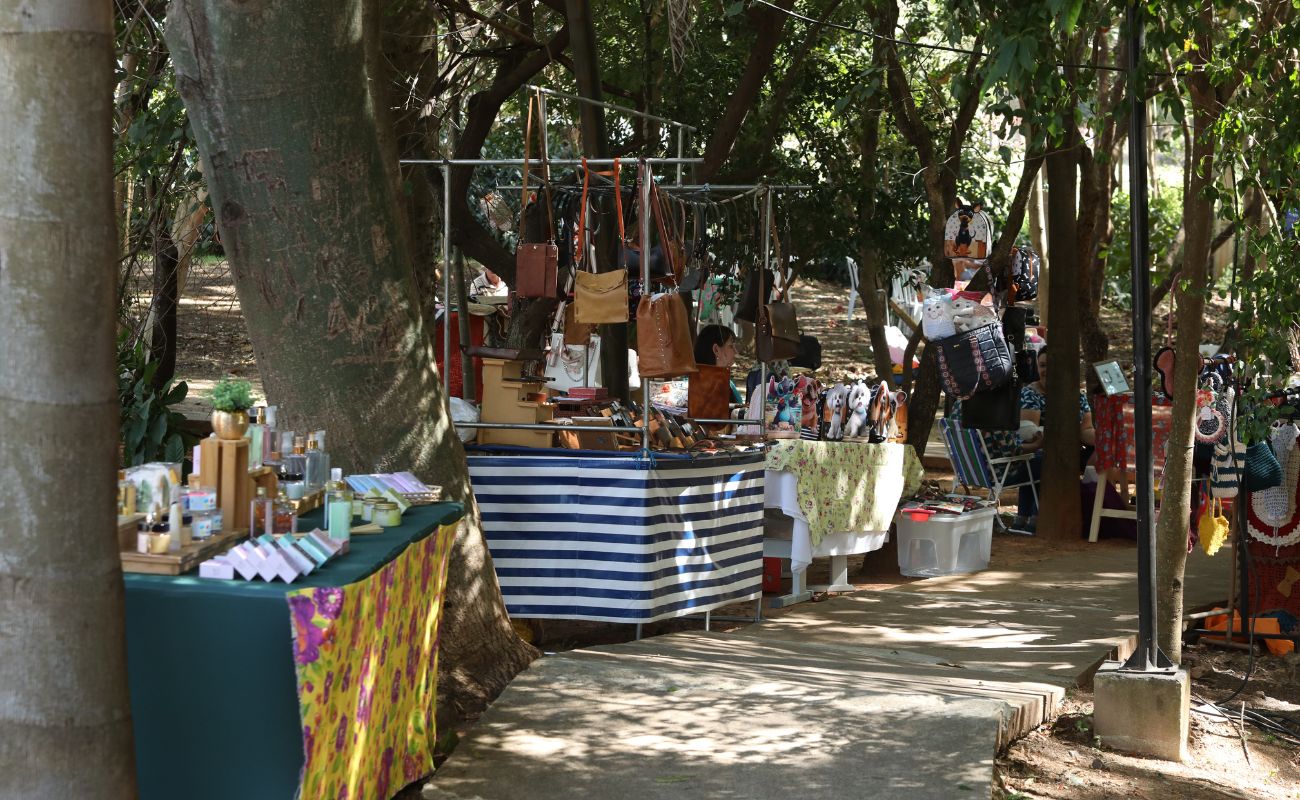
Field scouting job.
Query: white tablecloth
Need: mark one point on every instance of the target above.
(780, 492)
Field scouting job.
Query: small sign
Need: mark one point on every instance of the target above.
(1112, 377)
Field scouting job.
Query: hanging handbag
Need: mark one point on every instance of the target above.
(708, 395)
(574, 331)
(1212, 529)
(600, 297)
(536, 263)
(663, 337)
(1262, 469)
(1225, 469)
(776, 336)
(568, 366)
(756, 286)
(977, 360)
(995, 410)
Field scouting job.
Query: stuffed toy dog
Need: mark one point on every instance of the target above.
(833, 411)
(859, 409)
(968, 314)
(936, 317)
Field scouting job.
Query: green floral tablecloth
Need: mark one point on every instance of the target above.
(848, 486)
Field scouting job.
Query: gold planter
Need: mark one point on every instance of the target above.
(230, 424)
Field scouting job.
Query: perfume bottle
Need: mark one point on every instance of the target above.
(293, 471)
(319, 436)
(270, 436)
(338, 509)
(314, 469)
(261, 514)
(284, 520)
(256, 435)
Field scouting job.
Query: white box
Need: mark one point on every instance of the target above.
(945, 544)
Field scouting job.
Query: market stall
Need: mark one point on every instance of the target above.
(320, 688)
(840, 498)
(621, 537)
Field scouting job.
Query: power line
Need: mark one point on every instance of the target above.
(925, 45)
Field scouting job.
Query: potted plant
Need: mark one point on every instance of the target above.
(231, 399)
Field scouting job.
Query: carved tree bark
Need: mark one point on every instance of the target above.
(65, 718)
(302, 169)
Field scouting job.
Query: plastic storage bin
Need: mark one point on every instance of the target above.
(945, 544)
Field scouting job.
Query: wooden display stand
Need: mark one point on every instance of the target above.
(189, 557)
(506, 398)
(223, 465)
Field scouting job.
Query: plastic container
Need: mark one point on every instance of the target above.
(945, 544)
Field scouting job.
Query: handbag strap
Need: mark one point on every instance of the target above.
(582, 218)
(533, 100)
(656, 208)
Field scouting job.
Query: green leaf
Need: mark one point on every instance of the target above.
(735, 8)
(175, 448)
(135, 434)
(1070, 19)
(176, 394)
(157, 430)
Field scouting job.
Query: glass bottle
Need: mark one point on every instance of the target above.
(125, 494)
(284, 518)
(338, 507)
(314, 471)
(270, 436)
(256, 435)
(261, 514)
(293, 469)
(319, 436)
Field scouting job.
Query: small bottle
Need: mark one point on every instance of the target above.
(338, 507)
(319, 436)
(270, 436)
(314, 467)
(293, 469)
(256, 436)
(261, 512)
(274, 461)
(125, 494)
(284, 518)
(176, 522)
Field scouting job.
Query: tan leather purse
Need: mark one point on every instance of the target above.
(708, 395)
(600, 297)
(663, 337)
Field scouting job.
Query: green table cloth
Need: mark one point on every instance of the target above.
(214, 694)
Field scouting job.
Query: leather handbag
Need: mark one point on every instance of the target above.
(995, 410)
(574, 331)
(977, 360)
(776, 337)
(755, 286)
(536, 263)
(708, 395)
(600, 297)
(663, 337)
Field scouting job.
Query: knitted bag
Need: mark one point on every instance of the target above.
(977, 360)
(1212, 530)
(1262, 469)
(1225, 470)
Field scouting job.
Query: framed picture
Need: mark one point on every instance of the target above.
(1112, 377)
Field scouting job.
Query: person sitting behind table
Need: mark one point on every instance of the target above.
(1033, 405)
(1005, 444)
(488, 284)
(715, 345)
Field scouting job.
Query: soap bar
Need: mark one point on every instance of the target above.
(217, 568)
(300, 562)
(238, 558)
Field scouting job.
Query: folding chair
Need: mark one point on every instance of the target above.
(974, 468)
(852, 267)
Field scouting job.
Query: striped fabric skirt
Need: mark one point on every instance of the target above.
(621, 537)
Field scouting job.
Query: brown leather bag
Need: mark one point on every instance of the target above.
(708, 395)
(536, 263)
(576, 333)
(663, 337)
(600, 297)
(776, 337)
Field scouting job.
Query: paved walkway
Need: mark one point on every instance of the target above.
(903, 693)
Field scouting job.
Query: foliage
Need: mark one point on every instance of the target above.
(150, 429)
(231, 394)
(1165, 218)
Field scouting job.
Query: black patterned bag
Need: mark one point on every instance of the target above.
(973, 361)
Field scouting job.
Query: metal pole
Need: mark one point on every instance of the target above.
(446, 280)
(643, 219)
(1147, 657)
(612, 107)
(681, 147)
(767, 263)
(519, 162)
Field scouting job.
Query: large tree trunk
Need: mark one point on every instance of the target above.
(1058, 515)
(65, 721)
(300, 161)
(1176, 492)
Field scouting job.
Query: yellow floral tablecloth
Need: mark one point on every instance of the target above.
(367, 665)
(847, 486)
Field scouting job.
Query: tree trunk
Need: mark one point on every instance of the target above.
(166, 297)
(1058, 516)
(1176, 492)
(873, 285)
(300, 161)
(65, 719)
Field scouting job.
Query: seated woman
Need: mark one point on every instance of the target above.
(715, 345)
(1004, 444)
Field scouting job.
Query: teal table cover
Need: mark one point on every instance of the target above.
(214, 696)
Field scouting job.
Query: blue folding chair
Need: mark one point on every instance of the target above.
(974, 468)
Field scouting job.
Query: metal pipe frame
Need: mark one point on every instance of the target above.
(643, 220)
(681, 126)
(547, 426)
(519, 162)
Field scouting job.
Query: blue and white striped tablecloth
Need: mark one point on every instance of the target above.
(621, 537)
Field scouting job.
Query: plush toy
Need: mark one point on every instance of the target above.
(936, 317)
(968, 314)
(859, 407)
(833, 411)
(808, 390)
(788, 408)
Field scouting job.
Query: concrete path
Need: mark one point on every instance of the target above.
(908, 692)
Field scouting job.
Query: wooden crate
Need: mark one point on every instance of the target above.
(127, 528)
(223, 465)
(309, 502)
(187, 559)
